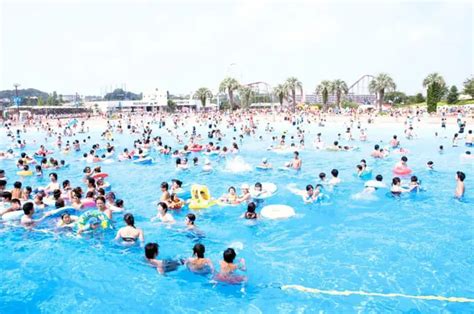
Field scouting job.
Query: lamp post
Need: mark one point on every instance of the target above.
(16, 85)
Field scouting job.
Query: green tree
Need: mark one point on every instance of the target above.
(338, 88)
(435, 85)
(61, 100)
(40, 101)
(55, 100)
(379, 85)
(396, 98)
(439, 90)
(281, 92)
(469, 87)
(292, 84)
(323, 90)
(246, 94)
(453, 95)
(419, 98)
(171, 105)
(203, 94)
(229, 85)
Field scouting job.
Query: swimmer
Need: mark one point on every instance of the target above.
(228, 268)
(394, 142)
(163, 214)
(67, 220)
(460, 188)
(245, 197)
(198, 263)
(189, 221)
(335, 180)
(27, 219)
(175, 202)
(231, 196)
(165, 195)
(297, 162)
(130, 233)
(265, 164)
(430, 165)
(250, 213)
(396, 188)
(370, 187)
(414, 185)
(162, 266)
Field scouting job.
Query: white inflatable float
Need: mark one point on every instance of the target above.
(268, 190)
(277, 212)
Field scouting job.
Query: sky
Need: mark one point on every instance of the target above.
(91, 47)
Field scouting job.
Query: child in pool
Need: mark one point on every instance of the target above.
(27, 219)
(175, 202)
(460, 188)
(250, 213)
(67, 221)
(198, 263)
(228, 268)
(162, 266)
(163, 214)
(231, 197)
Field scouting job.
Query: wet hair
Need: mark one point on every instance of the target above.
(14, 200)
(56, 194)
(231, 188)
(396, 180)
(129, 219)
(164, 206)
(322, 175)
(199, 250)
(229, 255)
(335, 172)
(430, 163)
(379, 177)
(309, 187)
(191, 217)
(404, 159)
(164, 185)
(91, 181)
(251, 207)
(17, 185)
(100, 198)
(258, 185)
(359, 167)
(54, 175)
(151, 250)
(441, 147)
(66, 183)
(414, 179)
(461, 176)
(27, 208)
(178, 182)
(59, 203)
(119, 203)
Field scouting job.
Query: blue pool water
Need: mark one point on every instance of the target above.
(417, 245)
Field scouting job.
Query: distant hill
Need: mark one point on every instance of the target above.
(23, 93)
(120, 94)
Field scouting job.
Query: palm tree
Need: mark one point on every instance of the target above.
(229, 85)
(379, 85)
(292, 84)
(338, 87)
(323, 89)
(203, 94)
(434, 78)
(246, 93)
(281, 92)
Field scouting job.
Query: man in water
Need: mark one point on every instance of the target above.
(460, 188)
(297, 162)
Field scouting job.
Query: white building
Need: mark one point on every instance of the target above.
(157, 97)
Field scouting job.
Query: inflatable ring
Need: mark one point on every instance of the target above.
(11, 216)
(88, 204)
(84, 219)
(277, 212)
(25, 173)
(402, 170)
(143, 161)
(100, 175)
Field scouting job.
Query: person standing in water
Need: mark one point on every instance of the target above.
(460, 188)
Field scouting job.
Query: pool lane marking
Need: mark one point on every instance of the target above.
(376, 294)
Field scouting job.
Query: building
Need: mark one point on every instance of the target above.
(157, 97)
